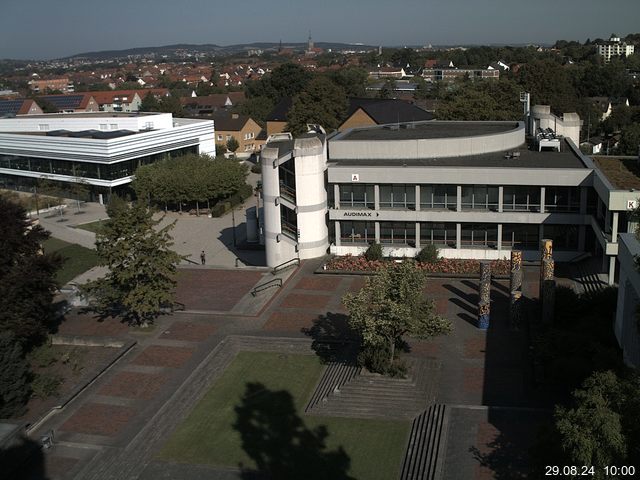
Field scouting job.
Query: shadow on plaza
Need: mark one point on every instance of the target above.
(252, 255)
(333, 339)
(23, 461)
(280, 444)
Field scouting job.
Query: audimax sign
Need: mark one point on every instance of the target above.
(359, 214)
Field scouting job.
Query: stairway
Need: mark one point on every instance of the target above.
(333, 379)
(421, 459)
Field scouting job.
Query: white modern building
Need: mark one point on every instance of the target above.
(615, 48)
(627, 323)
(474, 189)
(101, 150)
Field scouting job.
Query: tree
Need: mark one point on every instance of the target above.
(388, 87)
(321, 102)
(630, 140)
(149, 103)
(232, 144)
(481, 100)
(14, 376)
(142, 266)
(27, 277)
(392, 305)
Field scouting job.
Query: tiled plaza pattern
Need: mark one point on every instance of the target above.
(134, 385)
(477, 367)
(161, 356)
(99, 419)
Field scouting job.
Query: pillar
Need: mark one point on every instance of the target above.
(542, 193)
(418, 236)
(458, 235)
(499, 239)
(336, 196)
(614, 228)
(338, 233)
(515, 287)
(377, 227)
(547, 281)
(458, 198)
(612, 270)
(417, 197)
(484, 304)
(500, 199)
(376, 197)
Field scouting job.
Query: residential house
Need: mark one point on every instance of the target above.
(125, 100)
(388, 72)
(73, 103)
(210, 104)
(614, 48)
(21, 106)
(241, 127)
(366, 112)
(63, 85)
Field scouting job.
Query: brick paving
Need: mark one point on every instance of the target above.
(213, 289)
(134, 385)
(161, 356)
(302, 300)
(99, 419)
(327, 283)
(290, 321)
(189, 331)
(475, 347)
(75, 323)
(473, 379)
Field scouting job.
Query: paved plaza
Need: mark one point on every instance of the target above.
(115, 428)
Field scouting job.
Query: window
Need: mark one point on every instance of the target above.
(43, 127)
(354, 195)
(103, 126)
(479, 197)
(523, 199)
(440, 234)
(479, 235)
(565, 237)
(113, 126)
(289, 222)
(398, 196)
(440, 197)
(399, 233)
(357, 232)
(220, 138)
(228, 137)
(562, 199)
(520, 237)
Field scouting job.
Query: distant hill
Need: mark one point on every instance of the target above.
(211, 49)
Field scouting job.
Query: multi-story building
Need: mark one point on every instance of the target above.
(63, 85)
(125, 100)
(451, 74)
(100, 150)
(241, 127)
(474, 189)
(614, 48)
(72, 103)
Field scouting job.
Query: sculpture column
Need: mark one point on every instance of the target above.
(515, 287)
(547, 281)
(484, 304)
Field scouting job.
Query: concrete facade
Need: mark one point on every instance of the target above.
(626, 325)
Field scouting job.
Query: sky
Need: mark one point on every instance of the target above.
(45, 29)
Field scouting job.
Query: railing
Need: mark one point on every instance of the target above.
(275, 282)
(285, 265)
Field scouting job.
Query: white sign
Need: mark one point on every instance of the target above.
(632, 204)
(355, 177)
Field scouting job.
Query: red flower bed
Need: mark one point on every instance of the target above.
(443, 265)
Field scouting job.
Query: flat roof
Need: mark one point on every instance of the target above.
(427, 130)
(88, 115)
(622, 172)
(527, 159)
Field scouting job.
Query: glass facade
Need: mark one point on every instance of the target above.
(438, 197)
(362, 233)
(520, 237)
(287, 175)
(398, 196)
(289, 222)
(357, 196)
(521, 199)
(440, 234)
(565, 237)
(562, 199)
(479, 235)
(100, 171)
(398, 233)
(479, 197)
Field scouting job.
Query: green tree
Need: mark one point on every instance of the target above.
(27, 277)
(630, 140)
(171, 104)
(392, 305)
(14, 376)
(321, 102)
(388, 88)
(352, 79)
(142, 266)
(258, 108)
(232, 144)
(149, 103)
(481, 100)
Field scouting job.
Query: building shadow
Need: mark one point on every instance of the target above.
(23, 459)
(249, 255)
(470, 298)
(333, 339)
(280, 444)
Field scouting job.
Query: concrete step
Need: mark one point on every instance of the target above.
(421, 457)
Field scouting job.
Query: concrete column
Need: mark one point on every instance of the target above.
(458, 235)
(499, 244)
(376, 197)
(612, 271)
(542, 208)
(377, 226)
(583, 200)
(418, 235)
(336, 195)
(417, 200)
(614, 228)
(582, 233)
(459, 198)
(338, 233)
(500, 199)
(484, 290)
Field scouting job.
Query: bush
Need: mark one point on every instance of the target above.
(46, 385)
(14, 377)
(374, 252)
(428, 254)
(256, 168)
(375, 358)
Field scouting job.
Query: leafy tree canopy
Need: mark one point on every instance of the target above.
(321, 102)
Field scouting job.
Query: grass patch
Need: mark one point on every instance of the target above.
(375, 447)
(77, 259)
(94, 227)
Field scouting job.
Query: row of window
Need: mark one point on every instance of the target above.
(476, 235)
(474, 197)
(99, 171)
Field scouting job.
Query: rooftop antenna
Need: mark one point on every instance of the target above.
(525, 99)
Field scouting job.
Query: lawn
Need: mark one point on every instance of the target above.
(272, 426)
(77, 259)
(93, 226)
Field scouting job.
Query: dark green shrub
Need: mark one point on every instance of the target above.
(429, 254)
(256, 168)
(46, 385)
(374, 252)
(375, 358)
(14, 377)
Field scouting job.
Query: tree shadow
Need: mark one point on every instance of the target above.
(23, 460)
(280, 444)
(333, 339)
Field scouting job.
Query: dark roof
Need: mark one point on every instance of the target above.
(96, 134)
(229, 122)
(11, 107)
(427, 130)
(527, 159)
(280, 111)
(65, 102)
(388, 110)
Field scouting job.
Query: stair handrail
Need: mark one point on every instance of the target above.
(284, 265)
(274, 282)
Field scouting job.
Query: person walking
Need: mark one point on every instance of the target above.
(202, 257)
